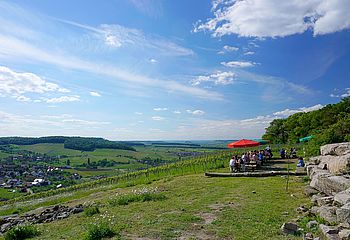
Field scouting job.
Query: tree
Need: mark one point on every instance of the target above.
(68, 162)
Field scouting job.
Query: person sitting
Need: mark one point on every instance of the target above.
(232, 164)
(301, 162)
(237, 164)
(283, 153)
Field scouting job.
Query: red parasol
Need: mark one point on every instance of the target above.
(243, 143)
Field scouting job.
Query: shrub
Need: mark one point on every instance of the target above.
(92, 210)
(22, 232)
(99, 231)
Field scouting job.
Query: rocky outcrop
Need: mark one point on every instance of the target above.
(337, 149)
(329, 174)
(48, 215)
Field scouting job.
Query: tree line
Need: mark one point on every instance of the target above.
(77, 143)
(330, 124)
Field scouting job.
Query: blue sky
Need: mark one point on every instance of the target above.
(166, 70)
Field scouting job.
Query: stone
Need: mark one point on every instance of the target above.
(329, 184)
(314, 210)
(63, 215)
(344, 234)
(315, 197)
(343, 214)
(289, 228)
(325, 200)
(335, 149)
(314, 160)
(310, 168)
(335, 164)
(76, 210)
(5, 227)
(310, 191)
(302, 209)
(328, 229)
(328, 213)
(342, 198)
(312, 224)
(317, 238)
(308, 236)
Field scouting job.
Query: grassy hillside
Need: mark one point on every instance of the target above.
(194, 206)
(180, 203)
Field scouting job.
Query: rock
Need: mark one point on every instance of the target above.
(308, 236)
(63, 215)
(344, 234)
(317, 238)
(314, 160)
(329, 184)
(76, 210)
(310, 168)
(343, 214)
(328, 229)
(302, 209)
(310, 191)
(335, 164)
(325, 200)
(328, 213)
(314, 210)
(5, 227)
(289, 228)
(312, 224)
(335, 149)
(315, 197)
(342, 198)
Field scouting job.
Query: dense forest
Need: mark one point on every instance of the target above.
(77, 143)
(331, 124)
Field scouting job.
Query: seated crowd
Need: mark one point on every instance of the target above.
(252, 158)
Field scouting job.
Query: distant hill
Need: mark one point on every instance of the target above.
(77, 143)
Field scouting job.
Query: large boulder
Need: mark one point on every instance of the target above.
(337, 149)
(335, 164)
(342, 198)
(329, 184)
(328, 213)
(343, 214)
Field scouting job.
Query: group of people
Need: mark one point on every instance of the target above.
(239, 163)
(291, 154)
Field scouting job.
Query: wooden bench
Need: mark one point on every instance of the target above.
(251, 166)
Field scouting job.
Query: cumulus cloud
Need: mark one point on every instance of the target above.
(239, 64)
(16, 83)
(157, 118)
(275, 18)
(152, 60)
(23, 99)
(196, 112)
(73, 98)
(160, 109)
(138, 113)
(218, 78)
(177, 112)
(95, 94)
(228, 48)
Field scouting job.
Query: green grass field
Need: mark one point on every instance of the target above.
(194, 207)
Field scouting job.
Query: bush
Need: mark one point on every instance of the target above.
(92, 210)
(22, 232)
(99, 231)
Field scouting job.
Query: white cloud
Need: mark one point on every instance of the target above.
(249, 53)
(84, 122)
(23, 99)
(62, 99)
(230, 48)
(196, 112)
(16, 83)
(240, 64)
(95, 94)
(152, 60)
(287, 112)
(157, 118)
(177, 112)
(11, 47)
(160, 109)
(218, 78)
(341, 95)
(138, 113)
(276, 18)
